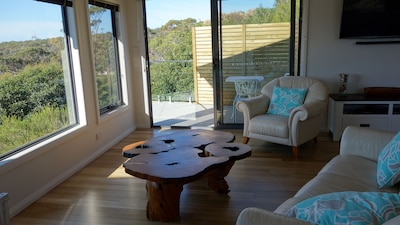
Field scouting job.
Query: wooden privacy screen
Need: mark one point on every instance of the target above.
(247, 50)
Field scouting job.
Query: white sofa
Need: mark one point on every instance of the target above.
(354, 169)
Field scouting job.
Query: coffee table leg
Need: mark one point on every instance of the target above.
(163, 202)
(216, 179)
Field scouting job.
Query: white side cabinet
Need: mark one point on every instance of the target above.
(363, 111)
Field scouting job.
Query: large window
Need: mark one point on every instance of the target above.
(103, 24)
(36, 82)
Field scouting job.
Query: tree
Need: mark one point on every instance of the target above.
(14, 56)
(96, 13)
(259, 15)
(170, 51)
(33, 89)
(282, 11)
(234, 18)
(102, 41)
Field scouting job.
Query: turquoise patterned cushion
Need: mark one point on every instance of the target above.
(388, 170)
(284, 100)
(348, 208)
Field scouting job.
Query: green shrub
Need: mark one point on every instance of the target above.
(32, 89)
(15, 132)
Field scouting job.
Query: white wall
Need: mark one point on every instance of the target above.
(328, 56)
(30, 176)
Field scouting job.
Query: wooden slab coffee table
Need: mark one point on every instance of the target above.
(178, 157)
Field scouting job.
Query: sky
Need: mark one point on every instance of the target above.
(28, 19)
(161, 11)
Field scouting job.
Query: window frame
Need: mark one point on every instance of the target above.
(65, 6)
(114, 9)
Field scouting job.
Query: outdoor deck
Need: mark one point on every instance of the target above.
(185, 114)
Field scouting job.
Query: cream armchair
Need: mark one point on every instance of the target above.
(303, 122)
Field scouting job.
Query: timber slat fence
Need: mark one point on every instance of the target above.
(249, 49)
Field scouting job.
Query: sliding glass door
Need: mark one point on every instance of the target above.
(174, 84)
(255, 45)
(202, 61)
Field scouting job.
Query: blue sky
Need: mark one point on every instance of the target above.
(28, 19)
(161, 11)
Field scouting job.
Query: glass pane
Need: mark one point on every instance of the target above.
(255, 49)
(107, 74)
(35, 81)
(174, 79)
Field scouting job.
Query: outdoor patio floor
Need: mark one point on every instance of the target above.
(185, 114)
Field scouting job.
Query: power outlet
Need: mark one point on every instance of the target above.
(98, 135)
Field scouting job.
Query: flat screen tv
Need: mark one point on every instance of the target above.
(369, 19)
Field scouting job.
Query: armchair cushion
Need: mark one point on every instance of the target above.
(284, 100)
(388, 171)
(272, 125)
(361, 208)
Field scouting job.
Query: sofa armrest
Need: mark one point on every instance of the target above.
(256, 216)
(364, 142)
(393, 221)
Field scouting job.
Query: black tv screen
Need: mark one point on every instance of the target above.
(370, 19)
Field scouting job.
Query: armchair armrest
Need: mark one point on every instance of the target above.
(255, 216)
(251, 107)
(364, 142)
(307, 111)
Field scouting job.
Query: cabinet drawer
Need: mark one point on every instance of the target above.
(365, 109)
(376, 123)
(394, 124)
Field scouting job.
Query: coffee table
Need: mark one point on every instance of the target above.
(177, 157)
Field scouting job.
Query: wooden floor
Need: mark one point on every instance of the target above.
(102, 193)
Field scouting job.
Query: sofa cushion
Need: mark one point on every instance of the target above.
(256, 216)
(284, 100)
(288, 204)
(344, 173)
(388, 169)
(327, 183)
(358, 208)
(393, 221)
(353, 167)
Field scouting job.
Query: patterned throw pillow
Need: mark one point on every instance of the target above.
(348, 208)
(388, 169)
(284, 100)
